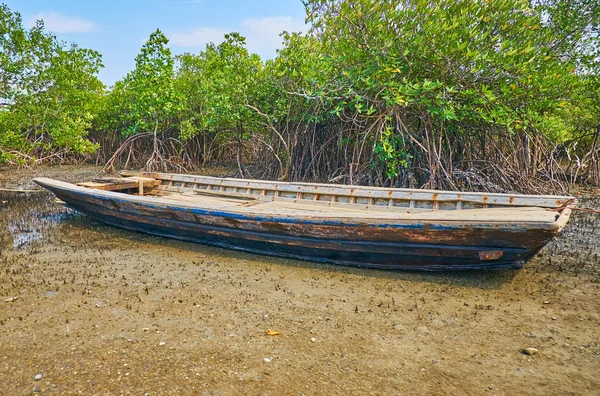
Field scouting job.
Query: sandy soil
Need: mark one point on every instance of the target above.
(98, 310)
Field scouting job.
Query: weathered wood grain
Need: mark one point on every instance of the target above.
(121, 183)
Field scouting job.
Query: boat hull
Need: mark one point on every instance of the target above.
(392, 245)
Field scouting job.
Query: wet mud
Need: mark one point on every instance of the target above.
(86, 308)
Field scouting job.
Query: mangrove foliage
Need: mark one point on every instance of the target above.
(491, 95)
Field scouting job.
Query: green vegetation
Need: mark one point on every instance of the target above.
(492, 94)
(49, 94)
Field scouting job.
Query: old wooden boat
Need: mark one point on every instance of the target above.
(351, 225)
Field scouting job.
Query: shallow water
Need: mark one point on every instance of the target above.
(31, 217)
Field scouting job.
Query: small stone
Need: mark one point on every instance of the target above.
(267, 360)
(37, 377)
(162, 343)
(36, 389)
(546, 302)
(554, 318)
(313, 339)
(529, 351)
(11, 299)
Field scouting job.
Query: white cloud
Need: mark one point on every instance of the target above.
(197, 37)
(262, 34)
(60, 23)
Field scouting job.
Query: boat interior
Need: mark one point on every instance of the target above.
(320, 199)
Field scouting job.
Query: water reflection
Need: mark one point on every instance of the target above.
(26, 218)
(29, 229)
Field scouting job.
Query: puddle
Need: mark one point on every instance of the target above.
(31, 229)
(28, 218)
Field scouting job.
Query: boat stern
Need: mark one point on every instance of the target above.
(562, 219)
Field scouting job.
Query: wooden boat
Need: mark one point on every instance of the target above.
(350, 225)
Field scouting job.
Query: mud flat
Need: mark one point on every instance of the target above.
(93, 309)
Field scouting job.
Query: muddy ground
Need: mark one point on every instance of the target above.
(98, 310)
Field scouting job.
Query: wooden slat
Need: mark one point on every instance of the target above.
(228, 194)
(109, 186)
(120, 183)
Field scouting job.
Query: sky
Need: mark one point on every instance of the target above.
(118, 29)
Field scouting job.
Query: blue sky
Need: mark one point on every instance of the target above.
(117, 29)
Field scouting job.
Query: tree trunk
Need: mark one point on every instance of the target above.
(239, 152)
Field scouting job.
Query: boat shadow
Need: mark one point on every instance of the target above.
(478, 279)
(491, 279)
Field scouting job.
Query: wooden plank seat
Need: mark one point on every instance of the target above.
(121, 183)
